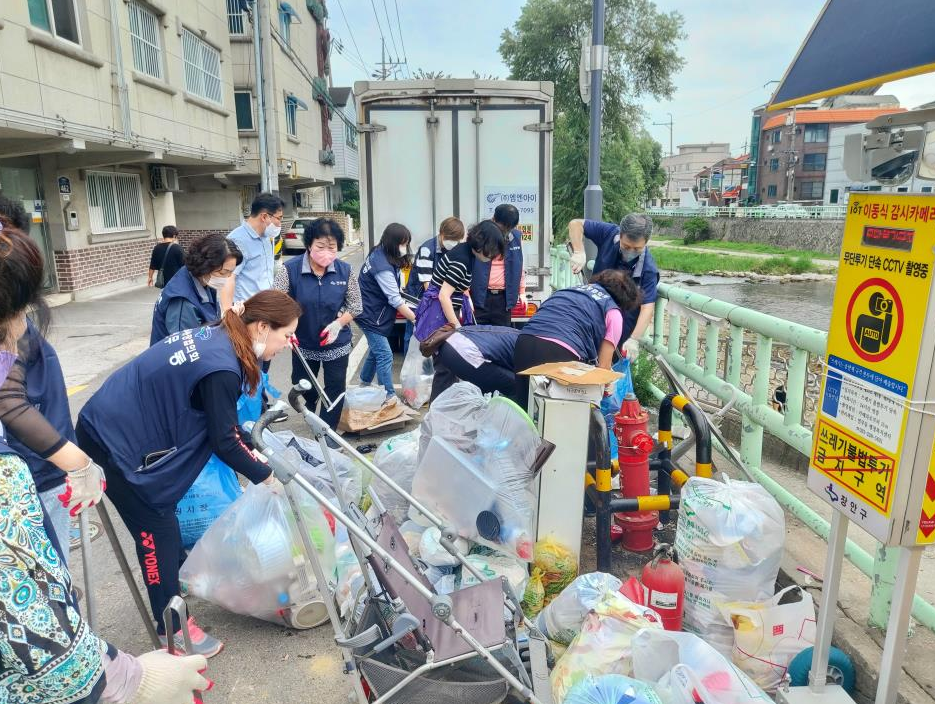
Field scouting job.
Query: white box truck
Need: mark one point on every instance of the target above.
(435, 148)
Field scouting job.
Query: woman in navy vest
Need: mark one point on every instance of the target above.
(380, 290)
(498, 285)
(581, 323)
(479, 354)
(327, 289)
(444, 301)
(190, 299)
(47, 652)
(155, 422)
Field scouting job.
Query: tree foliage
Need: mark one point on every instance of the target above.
(350, 200)
(545, 44)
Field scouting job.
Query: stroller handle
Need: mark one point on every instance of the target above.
(296, 395)
(274, 412)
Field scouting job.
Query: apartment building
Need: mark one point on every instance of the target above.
(682, 168)
(118, 117)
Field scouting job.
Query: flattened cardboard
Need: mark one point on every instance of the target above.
(574, 373)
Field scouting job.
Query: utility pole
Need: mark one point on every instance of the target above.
(669, 125)
(593, 195)
(386, 67)
(791, 159)
(260, 89)
(272, 129)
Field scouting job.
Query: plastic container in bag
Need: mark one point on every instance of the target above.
(433, 553)
(729, 540)
(493, 566)
(397, 457)
(364, 398)
(561, 620)
(416, 378)
(251, 560)
(453, 416)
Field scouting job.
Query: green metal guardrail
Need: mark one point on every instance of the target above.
(719, 318)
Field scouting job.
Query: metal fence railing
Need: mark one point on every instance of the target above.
(772, 212)
(703, 339)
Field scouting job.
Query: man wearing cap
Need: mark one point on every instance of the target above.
(622, 247)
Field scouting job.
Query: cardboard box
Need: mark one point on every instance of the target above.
(573, 381)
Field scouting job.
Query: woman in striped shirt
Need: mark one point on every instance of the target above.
(444, 301)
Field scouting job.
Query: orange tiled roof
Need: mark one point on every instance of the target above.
(813, 117)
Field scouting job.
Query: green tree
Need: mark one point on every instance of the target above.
(350, 200)
(545, 44)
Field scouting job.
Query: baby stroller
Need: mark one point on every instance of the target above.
(410, 644)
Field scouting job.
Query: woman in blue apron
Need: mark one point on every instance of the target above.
(581, 323)
(155, 422)
(380, 290)
(47, 652)
(479, 354)
(326, 287)
(190, 298)
(444, 301)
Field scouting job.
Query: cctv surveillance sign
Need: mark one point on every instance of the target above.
(872, 447)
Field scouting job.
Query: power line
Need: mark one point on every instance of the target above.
(351, 32)
(377, 18)
(399, 25)
(389, 27)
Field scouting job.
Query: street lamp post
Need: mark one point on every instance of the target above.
(593, 195)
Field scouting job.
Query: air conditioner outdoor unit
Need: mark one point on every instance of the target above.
(164, 179)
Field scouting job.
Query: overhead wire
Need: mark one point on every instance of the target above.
(353, 39)
(389, 28)
(402, 41)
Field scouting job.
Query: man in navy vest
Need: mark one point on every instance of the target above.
(496, 286)
(623, 247)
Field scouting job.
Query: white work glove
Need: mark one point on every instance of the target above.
(578, 260)
(83, 488)
(632, 348)
(169, 679)
(331, 332)
(237, 308)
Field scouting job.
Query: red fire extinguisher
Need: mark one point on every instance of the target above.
(664, 587)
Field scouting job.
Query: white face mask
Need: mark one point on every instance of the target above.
(450, 244)
(272, 230)
(259, 348)
(403, 250)
(217, 282)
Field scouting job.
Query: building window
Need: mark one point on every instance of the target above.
(926, 189)
(144, 39)
(293, 105)
(115, 202)
(243, 103)
(776, 136)
(235, 18)
(771, 191)
(202, 68)
(350, 135)
(58, 17)
(816, 133)
(774, 164)
(833, 197)
(285, 27)
(813, 162)
(812, 190)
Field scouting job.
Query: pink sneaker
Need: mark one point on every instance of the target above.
(202, 643)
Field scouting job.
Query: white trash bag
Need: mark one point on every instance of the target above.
(561, 620)
(416, 377)
(365, 398)
(729, 541)
(768, 635)
(662, 657)
(396, 456)
(251, 560)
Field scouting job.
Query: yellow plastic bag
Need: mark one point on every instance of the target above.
(534, 597)
(558, 564)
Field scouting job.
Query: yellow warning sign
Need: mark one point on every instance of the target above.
(926, 532)
(880, 300)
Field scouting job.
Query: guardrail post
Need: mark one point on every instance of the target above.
(659, 315)
(735, 357)
(751, 439)
(711, 348)
(691, 342)
(795, 386)
(885, 562)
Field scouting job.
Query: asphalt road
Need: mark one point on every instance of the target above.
(261, 662)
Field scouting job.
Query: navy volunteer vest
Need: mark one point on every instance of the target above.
(321, 300)
(182, 285)
(512, 272)
(414, 287)
(378, 315)
(576, 317)
(609, 257)
(45, 389)
(145, 408)
(495, 342)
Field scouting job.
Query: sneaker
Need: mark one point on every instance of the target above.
(202, 643)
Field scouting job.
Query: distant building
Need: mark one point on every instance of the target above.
(724, 182)
(682, 168)
(346, 155)
(792, 155)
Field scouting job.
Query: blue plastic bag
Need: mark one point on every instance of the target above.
(251, 407)
(610, 405)
(214, 490)
(611, 689)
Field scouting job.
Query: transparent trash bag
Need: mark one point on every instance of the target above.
(364, 398)
(396, 456)
(605, 644)
(729, 540)
(308, 458)
(656, 653)
(251, 561)
(561, 620)
(611, 689)
(453, 417)
(416, 378)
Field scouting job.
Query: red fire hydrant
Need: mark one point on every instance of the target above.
(634, 444)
